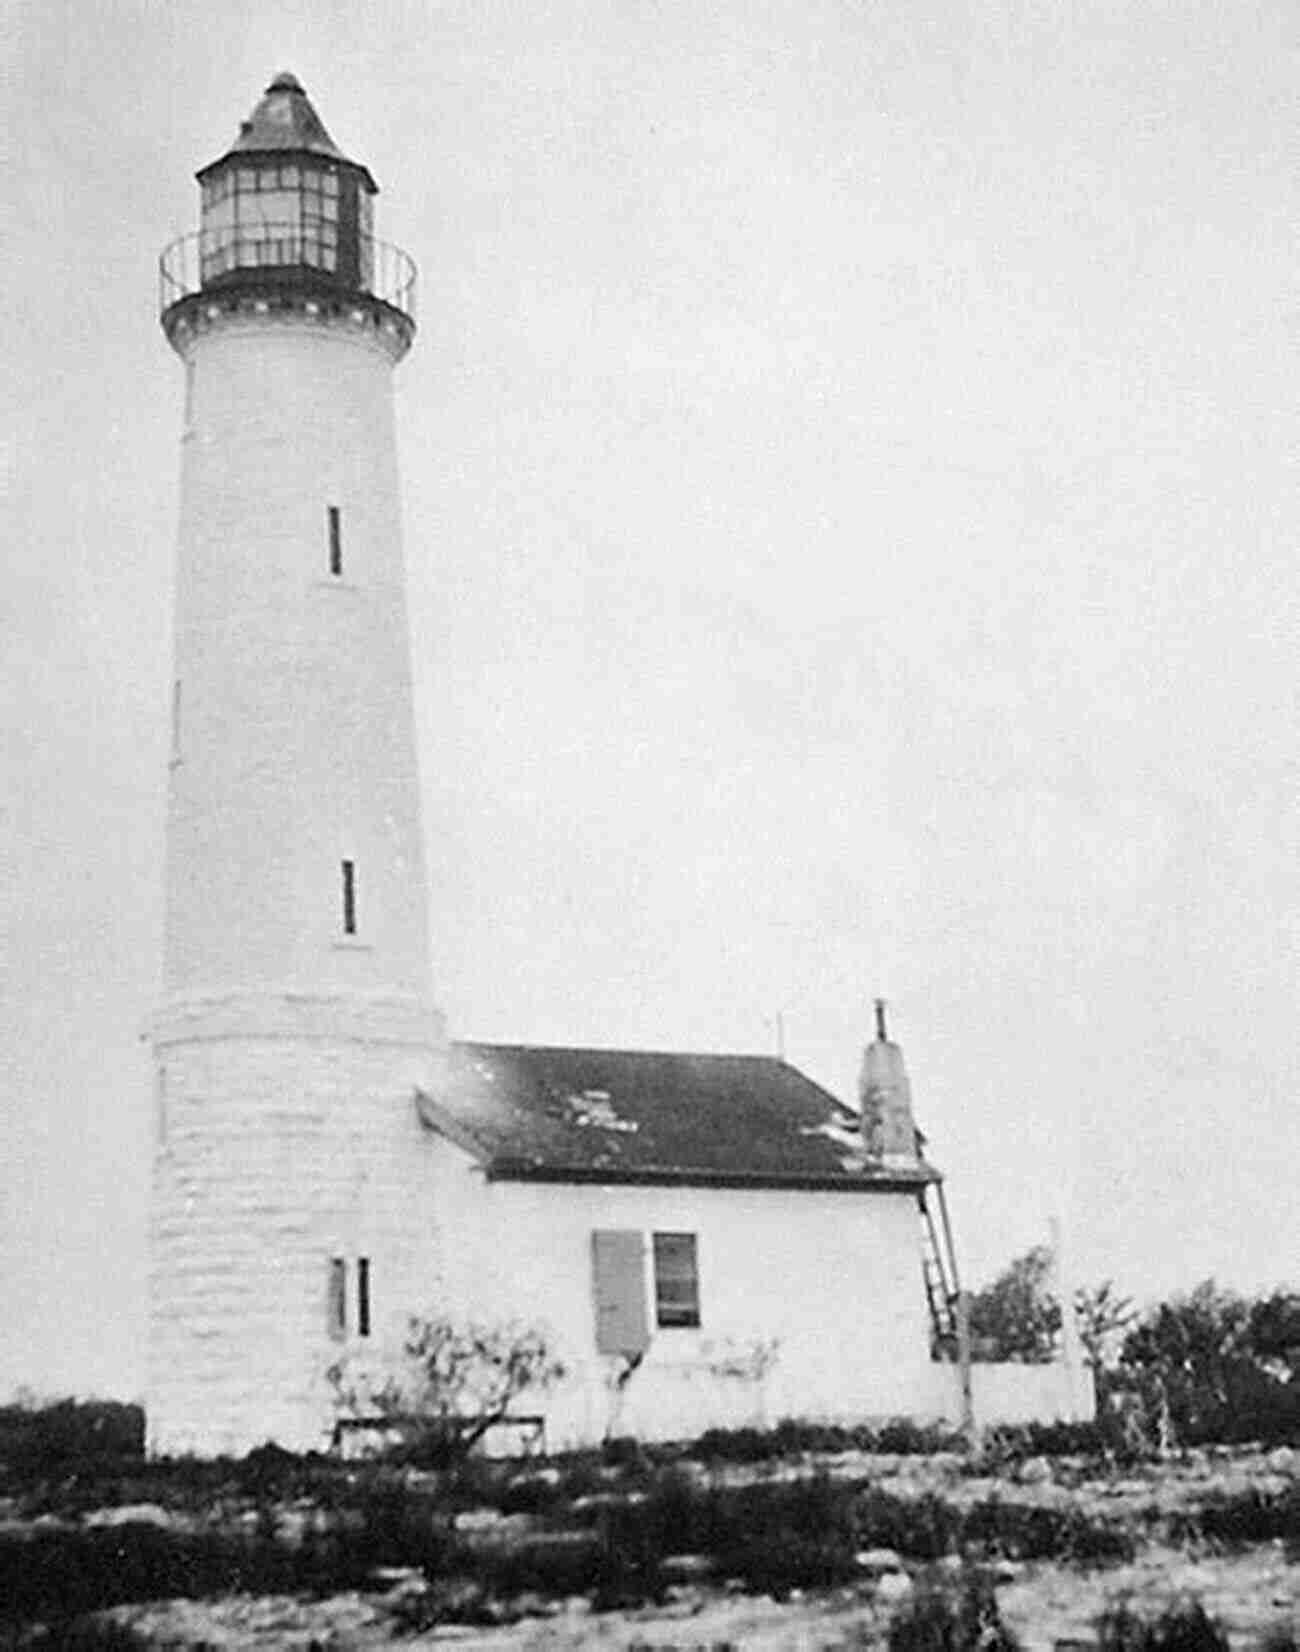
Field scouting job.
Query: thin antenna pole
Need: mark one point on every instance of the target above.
(780, 1035)
(881, 1034)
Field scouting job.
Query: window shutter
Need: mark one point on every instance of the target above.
(618, 1287)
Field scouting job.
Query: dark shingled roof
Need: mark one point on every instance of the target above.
(532, 1113)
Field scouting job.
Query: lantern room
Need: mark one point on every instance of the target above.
(285, 212)
(286, 198)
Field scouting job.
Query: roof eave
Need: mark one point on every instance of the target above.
(441, 1122)
(279, 152)
(883, 1181)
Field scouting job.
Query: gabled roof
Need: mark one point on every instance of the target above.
(531, 1113)
(286, 120)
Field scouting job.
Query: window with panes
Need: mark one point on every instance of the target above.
(270, 214)
(677, 1280)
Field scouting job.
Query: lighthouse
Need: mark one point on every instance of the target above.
(296, 1017)
(328, 1167)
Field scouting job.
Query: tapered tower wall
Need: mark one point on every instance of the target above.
(293, 746)
(296, 1019)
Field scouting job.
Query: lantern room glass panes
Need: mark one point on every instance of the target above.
(366, 239)
(270, 215)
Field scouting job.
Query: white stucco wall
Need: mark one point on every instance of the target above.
(833, 1279)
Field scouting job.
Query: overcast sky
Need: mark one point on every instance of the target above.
(850, 498)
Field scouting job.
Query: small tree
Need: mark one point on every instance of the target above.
(1274, 1335)
(1224, 1367)
(452, 1382)
(1016, 1317)
(1103, 1316)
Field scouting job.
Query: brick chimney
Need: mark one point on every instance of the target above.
(885, 1099)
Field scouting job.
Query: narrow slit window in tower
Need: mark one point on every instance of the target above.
(337, 1309)
(349, 897)
(363, 1296)
(336, 541)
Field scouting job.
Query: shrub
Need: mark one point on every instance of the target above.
(76, 1571)
(1181, 1628)
(375, 1521)
(38, 1440)
(452, 1382)
(734, 1445)
(794, 1534)
(924, 1528)
(623, 1451)
(794, 1436)
(934, 1622)
(1010, 1442)
(270, 1471)
(774, 1536)
(396, 1527)
(904, 1437)
(1016, 1317)
(530, 1494)
(1212, 1366)
(1251, 1516)
(1034, 1531)
(580, 1476)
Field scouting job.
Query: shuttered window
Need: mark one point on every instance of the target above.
(618, 1289)
(677, 1280)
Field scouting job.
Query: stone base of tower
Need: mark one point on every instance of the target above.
(283, 1163)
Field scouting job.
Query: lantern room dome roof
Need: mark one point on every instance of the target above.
(284, 119)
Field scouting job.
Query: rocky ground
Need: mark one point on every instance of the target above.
(1252, 1590)
(1045, 1604)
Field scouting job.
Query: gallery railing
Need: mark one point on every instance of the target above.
(213, 260)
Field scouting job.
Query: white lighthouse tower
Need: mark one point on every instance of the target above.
(296, 1016)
